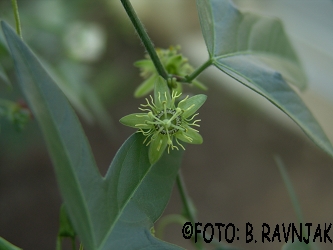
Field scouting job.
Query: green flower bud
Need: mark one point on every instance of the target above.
(173, 62)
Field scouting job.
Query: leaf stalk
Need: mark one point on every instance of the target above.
(195, 73)
(198, 71)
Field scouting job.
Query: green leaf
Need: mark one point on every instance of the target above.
(75, 168)
(148, 202)
(70, 78)
(226, 247)
(255, 51)
(295, 246)
(4, 77)
(5, 245)
(3, 54)
(97, 206)
(231, 34)
(65, 227)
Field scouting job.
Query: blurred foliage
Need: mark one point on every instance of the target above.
(74, 41)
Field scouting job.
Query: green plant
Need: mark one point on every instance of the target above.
(252, 49)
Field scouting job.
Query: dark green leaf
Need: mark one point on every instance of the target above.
(255, 51)
(295, 246)
(78, 177)
(5, 245)
(3, 76)
(226, 247)
(150, 198)
(233, 35)
(65, 227)
(99, 208)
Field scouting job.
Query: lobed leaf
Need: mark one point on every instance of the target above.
(255, 51)
(228, 32)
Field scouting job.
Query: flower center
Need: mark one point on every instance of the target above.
(168, 122)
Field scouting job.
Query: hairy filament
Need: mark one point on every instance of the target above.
(194, 123)
(180, 144)
(190, 119)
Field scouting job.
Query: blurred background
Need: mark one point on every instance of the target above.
(89, 48)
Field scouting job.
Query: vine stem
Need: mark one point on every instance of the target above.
(17, 18)
(144, 38)
(186, 203)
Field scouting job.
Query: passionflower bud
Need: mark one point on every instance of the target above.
(164, 123)
(174, 63)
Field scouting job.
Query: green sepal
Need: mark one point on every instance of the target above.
(196, 137)
(145, 87)
(197, 101)
(173, 64)
(162, 93)
(199, 85)
(144, 63)
(134, 120)
(157, 147)
(146, 66)
(178, 89)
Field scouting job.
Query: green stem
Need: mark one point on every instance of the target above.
(144, 38)
(292, 194)
(183, 196)
(58, 245)
(198, 71)
(187, 206)
(73, 243)
(17, 18)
